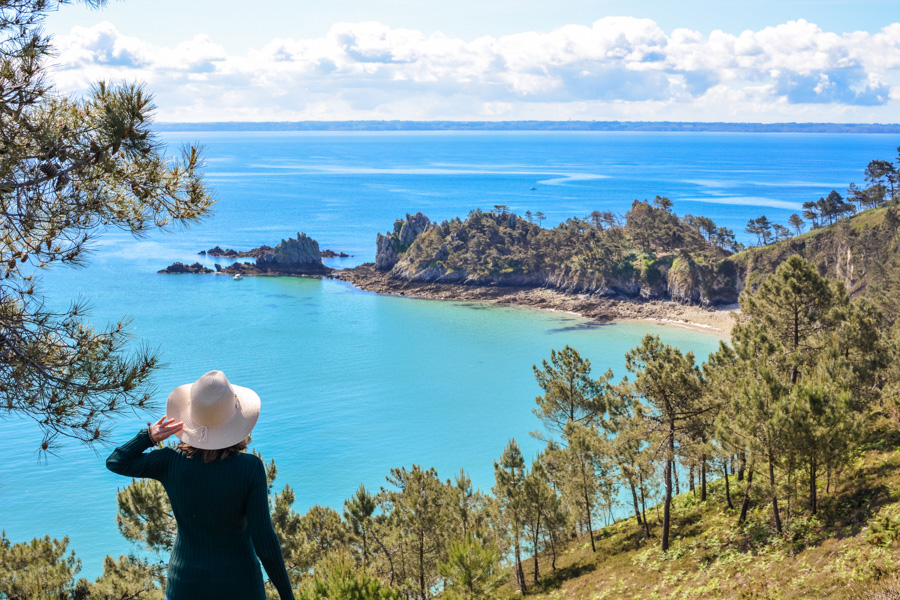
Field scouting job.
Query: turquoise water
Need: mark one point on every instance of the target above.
(353, 383)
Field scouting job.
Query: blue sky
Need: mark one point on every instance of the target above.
(730, 60)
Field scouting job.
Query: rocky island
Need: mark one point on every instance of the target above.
(260, 252)
(298, 256)
(180, 267)
(230, 253)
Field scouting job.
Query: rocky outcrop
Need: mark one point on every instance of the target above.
(260, 252)
(390, 246)
(386, 255)
(293, 256)
(229, 253)
(295, 252)
(333, 254)
(179, 267)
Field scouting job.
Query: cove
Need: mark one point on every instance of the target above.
(352, 384)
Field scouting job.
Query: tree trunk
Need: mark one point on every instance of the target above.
(703, 479)
(553, 550)
(796, 343)
(365, 551)
(520, 574)
(727, 487)
(775, 513)
(422, 564)
(587, 506)
(643, 505)
(745, 503)
(741, 466)
(691, 487)
(637, 511)
(813, 500)
(389, 557)
(537, 533)
(675, 473)
(667, 508)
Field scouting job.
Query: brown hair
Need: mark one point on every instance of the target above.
(211, 455)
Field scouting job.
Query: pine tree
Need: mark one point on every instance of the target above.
(471, 571)
(795, 304)
(626, 444)
(672, 385)
(336, 578)
(587, 485)
(41, 568)
(820, 425)
(538, 504)
(323, 534)
(467, 506)
(756, 404)
(358, 512)
(509, 475)
(128, 578)
(418, 521)
(570, 395)
(69, 170)
(145, 515)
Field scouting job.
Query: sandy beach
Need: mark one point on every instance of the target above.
(718, 320)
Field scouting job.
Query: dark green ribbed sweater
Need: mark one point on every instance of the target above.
(222, 511)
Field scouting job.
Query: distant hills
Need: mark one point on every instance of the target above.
(657, 126)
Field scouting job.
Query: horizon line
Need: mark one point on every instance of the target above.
(528, 125)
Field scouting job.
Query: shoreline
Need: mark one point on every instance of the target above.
(717, 321)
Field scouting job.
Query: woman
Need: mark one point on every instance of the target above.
(218, 493)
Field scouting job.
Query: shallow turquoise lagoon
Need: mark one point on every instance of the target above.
(352, 384)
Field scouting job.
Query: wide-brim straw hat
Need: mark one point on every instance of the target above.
(216, 414)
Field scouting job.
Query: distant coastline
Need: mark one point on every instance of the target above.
(646, 126)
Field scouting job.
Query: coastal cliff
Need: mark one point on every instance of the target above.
(654, 255)
(578, 257)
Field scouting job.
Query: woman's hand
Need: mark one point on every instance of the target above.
(163, 429)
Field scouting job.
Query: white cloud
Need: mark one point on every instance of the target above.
(619, 68)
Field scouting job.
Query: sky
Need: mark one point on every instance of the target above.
(639, 60)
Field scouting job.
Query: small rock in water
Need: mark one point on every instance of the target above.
(180, 267)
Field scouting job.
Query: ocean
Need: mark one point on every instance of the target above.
(352, 383)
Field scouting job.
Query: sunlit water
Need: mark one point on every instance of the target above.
(352, 383)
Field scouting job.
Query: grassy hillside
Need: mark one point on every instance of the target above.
(835, 555)
(855, 251)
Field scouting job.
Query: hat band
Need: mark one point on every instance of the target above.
(202, 431)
